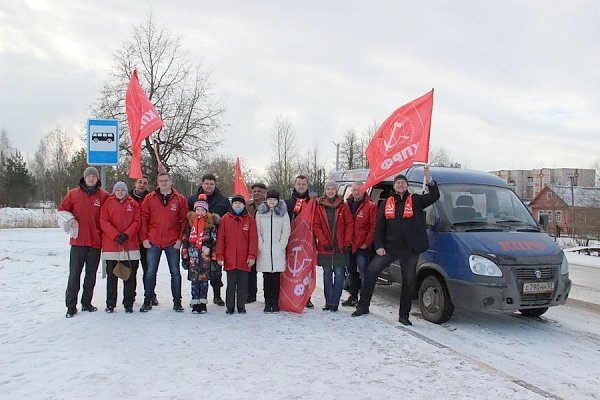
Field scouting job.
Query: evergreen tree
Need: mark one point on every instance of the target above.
(16, 182)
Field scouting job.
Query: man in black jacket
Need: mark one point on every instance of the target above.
(218, 204)
(400, 235)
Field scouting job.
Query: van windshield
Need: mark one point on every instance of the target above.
(483, 204)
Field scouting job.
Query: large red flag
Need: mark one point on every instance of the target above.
(401, 140)
(239, 187)
(298, 281)
(143, 120)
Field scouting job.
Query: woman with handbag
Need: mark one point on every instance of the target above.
(199, 241)
(120, 221)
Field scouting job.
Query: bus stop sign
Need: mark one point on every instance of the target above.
(103, 142)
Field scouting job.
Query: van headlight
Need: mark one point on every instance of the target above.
(564, 266)
(483, 266)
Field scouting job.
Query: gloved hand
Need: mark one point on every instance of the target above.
(347, 250)
(122, 238)
(328, 247)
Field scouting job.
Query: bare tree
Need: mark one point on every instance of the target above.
(596, 166)
(315, 169)
(180, 92)
(438, 156)
(349, 149)
(283, 167)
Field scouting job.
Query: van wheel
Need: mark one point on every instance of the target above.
(108, 140)
(434, 300)
(533, 312)
(95, 140)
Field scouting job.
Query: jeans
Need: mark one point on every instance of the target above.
(408, 264)
(199, 292)
(333, 285)
(128, 286)
(357, 269)
(153, 257)
(81, 255)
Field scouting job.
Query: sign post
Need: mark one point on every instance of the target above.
(103, 144)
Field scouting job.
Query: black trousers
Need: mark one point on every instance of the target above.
(215, 276)
(80, 256)
(237, 289)
(128, 286)
(408, 264)
(252, 284)
(271, 287)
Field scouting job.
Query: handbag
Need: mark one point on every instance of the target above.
(121, 270)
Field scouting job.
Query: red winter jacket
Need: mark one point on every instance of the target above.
(237, 241)
(363, 225)
(163, 224)
(120, 217)
(86, 209)
(343, 225)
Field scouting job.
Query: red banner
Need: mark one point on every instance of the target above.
(401, 140)
(239, 187)
(298, 281)
(143, 120)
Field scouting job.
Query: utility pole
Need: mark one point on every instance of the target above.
(573, 180)
(337, 155)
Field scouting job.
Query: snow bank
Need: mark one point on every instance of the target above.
(27, 218)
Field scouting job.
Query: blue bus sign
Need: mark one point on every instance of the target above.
(103, 142)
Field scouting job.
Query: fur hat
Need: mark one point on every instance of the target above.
(120, 185)
(91, 171)
(201, 202)
(238, 197)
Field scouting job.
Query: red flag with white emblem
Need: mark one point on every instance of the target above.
(142, 119)
(239, 186)
(298, 281)
(401, 140)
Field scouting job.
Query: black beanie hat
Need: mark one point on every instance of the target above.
(400, 176)
(238, 197)
(273, 194)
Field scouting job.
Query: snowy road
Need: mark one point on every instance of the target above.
(168, 355)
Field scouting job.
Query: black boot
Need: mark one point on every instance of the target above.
(71, 311)
(89, 307)
(147, 306)
(109, 309)
(404, 321)
(195, 308)
(217, 299)
(275, 306)
(360, 311)
(177, 306)
(350, 302)
(202, 308)
(333, 308)
(154, 300)
(309, 304)
(326, 308)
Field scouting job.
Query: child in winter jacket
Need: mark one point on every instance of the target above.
(199, 241)
(237, 246)
(273, 227)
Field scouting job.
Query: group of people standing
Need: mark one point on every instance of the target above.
(207, 233)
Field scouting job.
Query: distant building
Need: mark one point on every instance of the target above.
(527, 183)
(562, 210)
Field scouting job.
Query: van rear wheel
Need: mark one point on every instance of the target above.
(434, 300)
(533, 312)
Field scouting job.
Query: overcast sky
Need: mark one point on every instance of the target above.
(517, 83)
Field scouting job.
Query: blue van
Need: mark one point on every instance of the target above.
(486, 251)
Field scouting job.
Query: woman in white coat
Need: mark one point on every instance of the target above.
(273, 226)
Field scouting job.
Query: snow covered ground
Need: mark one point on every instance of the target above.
(324, 355)
(27, 217)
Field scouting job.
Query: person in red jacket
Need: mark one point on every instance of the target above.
(120, 220)
(333, 231)
(237, 247)
(84, 203)
(163, 222)
(364, 218)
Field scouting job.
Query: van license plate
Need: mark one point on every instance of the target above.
(538, 287)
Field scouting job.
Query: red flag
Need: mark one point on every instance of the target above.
(239, 187)
(298, 281)
(401, 140)
(143, 120)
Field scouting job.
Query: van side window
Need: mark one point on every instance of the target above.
(429, 212)
(347, 192)
(341, 189)
(380, 192)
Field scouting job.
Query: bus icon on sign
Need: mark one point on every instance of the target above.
(103, 137)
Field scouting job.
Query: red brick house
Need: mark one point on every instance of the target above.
(553, 205)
